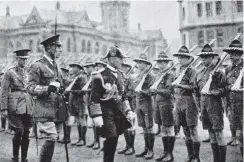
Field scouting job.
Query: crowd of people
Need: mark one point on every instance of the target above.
(45, 96)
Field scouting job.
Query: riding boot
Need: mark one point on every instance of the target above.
(68, 130)
(95, 136)
(16, 146)
(109, 149)
(215, 150)
(24, 149)
(96, 145)
(151, 139)
(126, 135)
(222, 153)
(47, 150)
(144, 152)
(196, 150)
(82, 131)
(169, 157)
(131, 149)
(189, 146)
(165, 143)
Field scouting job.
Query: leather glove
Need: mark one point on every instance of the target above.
(98, 121)
(130, 116)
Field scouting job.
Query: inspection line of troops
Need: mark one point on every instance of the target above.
(112, 92)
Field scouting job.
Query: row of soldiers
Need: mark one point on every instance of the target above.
(112, 93)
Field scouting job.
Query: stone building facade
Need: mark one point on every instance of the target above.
(79, 35)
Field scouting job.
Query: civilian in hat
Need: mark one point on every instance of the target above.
(144, 107)
(186, 108)
(164, 107)
(235, 96)
(17, 105)
(77, 104)
(210, 104)
(45, 79)
(109, 107)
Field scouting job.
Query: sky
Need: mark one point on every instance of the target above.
(151, 14)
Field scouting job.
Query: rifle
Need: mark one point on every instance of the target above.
(206, 87)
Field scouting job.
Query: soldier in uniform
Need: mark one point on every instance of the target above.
(186, 109)
(45, 81)
(109, 106)
(130, 133)
(164, 107)
(235, 96)
(17, 104)
(211, 104)
(144, 109)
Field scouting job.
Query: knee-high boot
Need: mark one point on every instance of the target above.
(96, 145)
(165, 144)
(131, 141)
(109, 149)
(222, 153)
(126, 135)
(151, 139)
(82, 136)
(47, 150)
(189, 146)
(144, 152)
(94, 141)
(196, 151)
(68, 131)
(16, 145)
(215, 150)
(171, 143)
(24, 146)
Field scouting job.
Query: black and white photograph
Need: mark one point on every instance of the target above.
(121, 81)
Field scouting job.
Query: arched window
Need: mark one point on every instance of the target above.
(97, 48)
(18, 45)
(38, 46)
(68, 45)
(88, 47)
(83, 46)
(104, 50)
(31, 45)
(200, 38)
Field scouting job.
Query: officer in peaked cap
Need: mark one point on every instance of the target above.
(109, 107)
(235, 95)
(45, 79)
(186, 110)
(210, 104)
(17, 104)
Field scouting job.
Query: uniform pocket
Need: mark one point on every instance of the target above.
(13, 101)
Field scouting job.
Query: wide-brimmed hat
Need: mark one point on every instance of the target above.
(207, 51)
(64, 68)
(77, 64)
(163, 57)
(53, 40)
(235, 46)
(115, 52)
(183, 51)
(22, 53)
(143, 58)
(89, 62)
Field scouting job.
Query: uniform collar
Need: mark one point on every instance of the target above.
(48, 59)
(112, 68)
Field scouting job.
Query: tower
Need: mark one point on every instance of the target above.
(115, 15)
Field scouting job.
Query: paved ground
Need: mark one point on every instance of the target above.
(83, 154)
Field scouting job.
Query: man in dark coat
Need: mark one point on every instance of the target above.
(235, 94)
(186, 109)
(17, 104)
(109, 106)
(211, 104)
(45, 80)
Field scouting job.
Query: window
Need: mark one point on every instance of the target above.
(68, 45)
(210, 36)
(200, 38)
(239, 6)
(209, 9)
(18, 45)
(199, 10)
(88, 47)
(31, 45)
(83, 46)
(38, 47)
(218, 7)
(220, 41)
(97, 48)
(104, 50)
(184, 39)
(183, 13)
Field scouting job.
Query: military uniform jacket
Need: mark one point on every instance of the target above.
(48, 107)
(77, 98)
(233, 98)
(217, 84)
(13, 95)
(112, 110)
(165, 90)
(130, 91)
